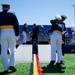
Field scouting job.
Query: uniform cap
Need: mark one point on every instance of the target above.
(5, 4)
(25, 23)
(34, 24)
(58, 17)
(64, 17)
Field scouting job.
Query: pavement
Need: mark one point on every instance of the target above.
(24, 53)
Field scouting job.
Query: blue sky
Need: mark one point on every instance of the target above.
(41, 11)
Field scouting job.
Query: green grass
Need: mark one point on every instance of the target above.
(67, 69)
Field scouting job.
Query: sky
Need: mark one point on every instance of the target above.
(41, 11)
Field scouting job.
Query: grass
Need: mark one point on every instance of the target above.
(67, 69)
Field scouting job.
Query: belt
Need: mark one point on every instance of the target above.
(57, 31)
(24, 30)
(6, 27)
(63, 42)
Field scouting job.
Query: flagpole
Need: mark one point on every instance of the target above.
(74, 13)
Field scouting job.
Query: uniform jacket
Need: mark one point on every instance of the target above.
(24, 29)
(35, 32)
(55, 26)
(63, 29)
(8, 18)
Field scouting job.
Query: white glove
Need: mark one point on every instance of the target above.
(64, 32)
(17, 37)
(60, 25)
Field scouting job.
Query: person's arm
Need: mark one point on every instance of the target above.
(15, 24)
(54, 22)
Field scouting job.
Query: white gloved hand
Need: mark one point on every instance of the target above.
(60, 25)
(17, 37)
(64, 32)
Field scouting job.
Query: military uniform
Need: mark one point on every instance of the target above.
(63, 36)
(9, 30)
(35, 33)
(63, 32)
(56, 41)
(24, 33)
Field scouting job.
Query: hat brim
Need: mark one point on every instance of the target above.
(5, 4)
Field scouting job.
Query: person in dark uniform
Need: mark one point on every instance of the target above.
(63, 32)
(24, 33)
(34, 34)
(9, 31)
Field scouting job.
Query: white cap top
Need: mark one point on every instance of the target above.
(58, 17)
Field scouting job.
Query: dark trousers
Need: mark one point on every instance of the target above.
(35, 45)
(34, 40)
(63, 49)
(35, 49)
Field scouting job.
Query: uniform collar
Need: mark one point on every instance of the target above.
(4, 10)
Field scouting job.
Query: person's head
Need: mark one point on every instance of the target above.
(5, 6)
(63, 17)
(34, 24)
(58, 18)
(25, 24)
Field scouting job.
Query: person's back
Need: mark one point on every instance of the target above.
(9, 19)
(9, 30)
(35, 33)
